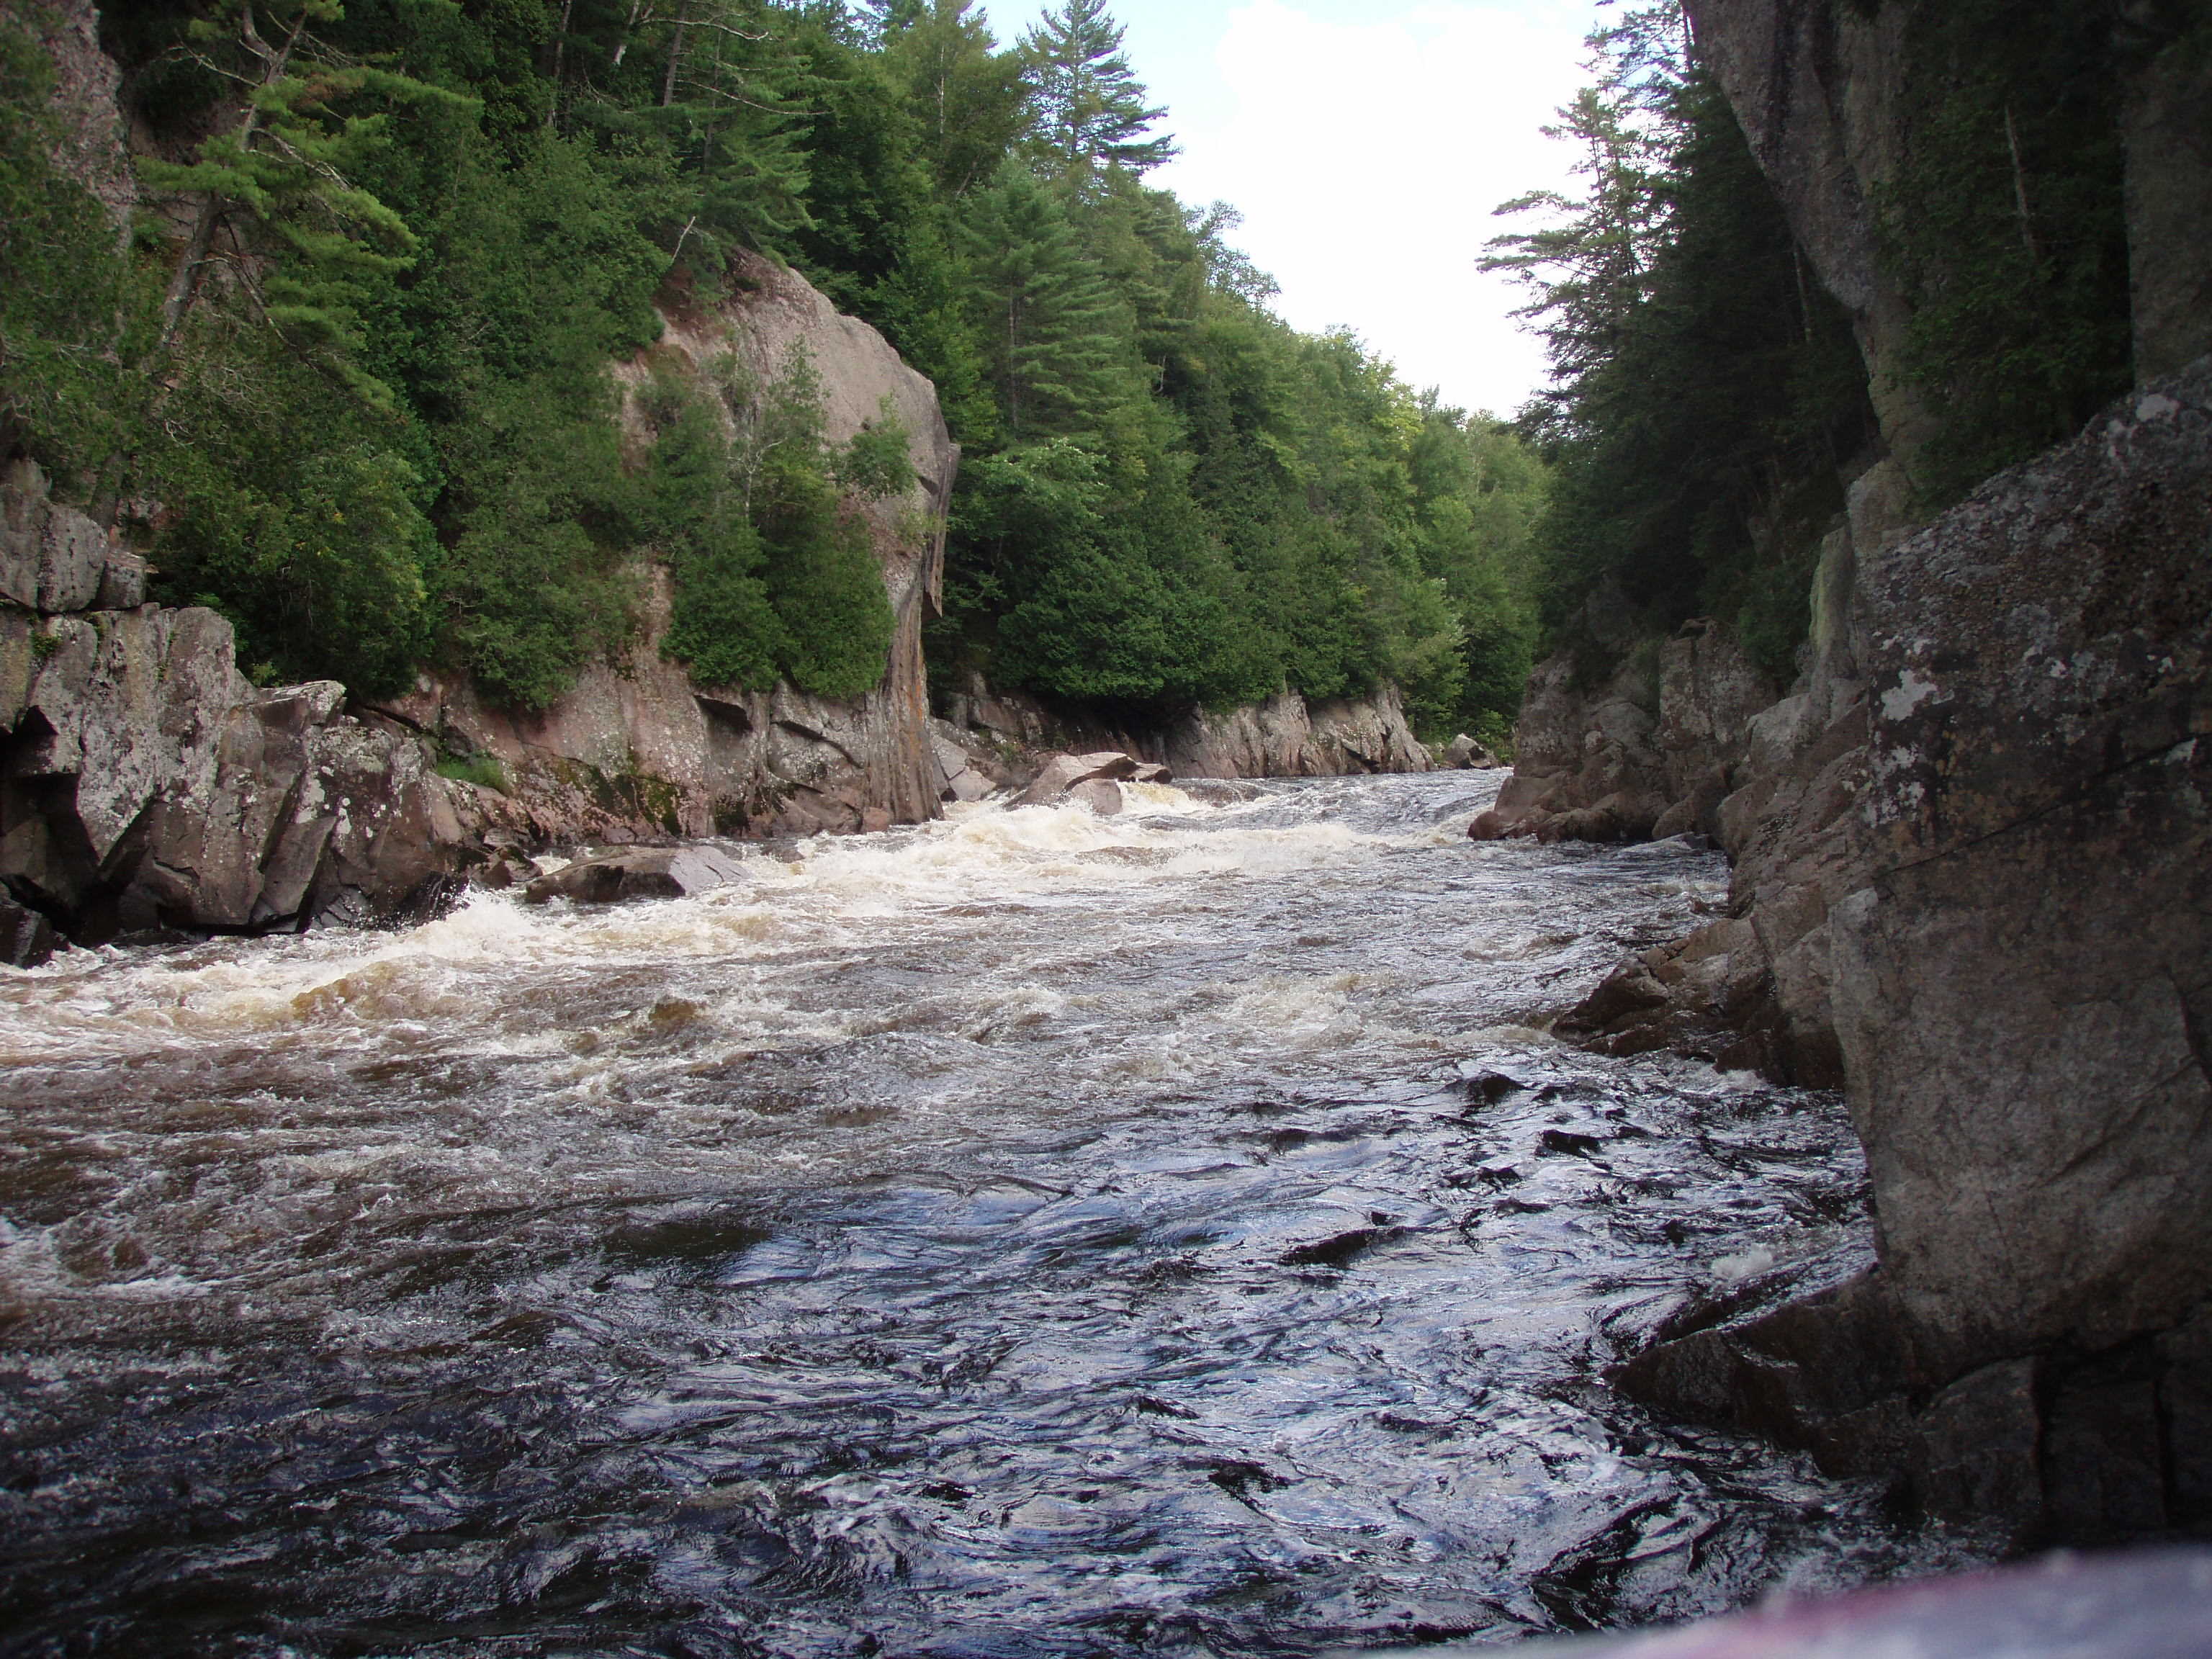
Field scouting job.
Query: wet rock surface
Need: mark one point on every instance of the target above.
(1285, 737)
(27, 939)
(1651, 750)
(1035, 1233)
(1467, 754)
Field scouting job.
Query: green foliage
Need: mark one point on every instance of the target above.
(2005, 222)
(1091, 108)
(1055, 343)
(822, 575)
(356, 380)
(723, 626)
(877, 464)
(1706, 392)
(1708, 397)
(67, 291)
(775, 567)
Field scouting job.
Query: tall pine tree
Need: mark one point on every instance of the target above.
(1091, 108)
(1055, 340)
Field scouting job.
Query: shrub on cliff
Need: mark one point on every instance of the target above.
(775, 574)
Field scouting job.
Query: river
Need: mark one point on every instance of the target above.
(1030, 1234)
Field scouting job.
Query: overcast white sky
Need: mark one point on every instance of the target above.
(1366, 142)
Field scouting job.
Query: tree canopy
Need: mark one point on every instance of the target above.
(351, 381)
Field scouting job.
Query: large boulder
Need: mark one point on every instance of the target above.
(27, 939)
(145, 782)
(1062, 775)
(1464, 753)
(1710, 995)
(637, 872)
(969, 767)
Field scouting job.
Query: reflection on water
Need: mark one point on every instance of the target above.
(1027, 1235)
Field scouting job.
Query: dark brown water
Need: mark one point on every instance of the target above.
(1031, 1235)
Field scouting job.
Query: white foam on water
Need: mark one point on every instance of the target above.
(469, 966)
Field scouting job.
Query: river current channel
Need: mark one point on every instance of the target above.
(1032, 1234)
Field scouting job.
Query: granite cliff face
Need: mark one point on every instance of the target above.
(1994, 910)
(1970, 874)
(2023, 983)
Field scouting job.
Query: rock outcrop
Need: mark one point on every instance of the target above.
(145, 783)
(1974, 863)
(1970, 851)
(1285, 737)
(1652, 748)
(2023, 985)
(636, 750)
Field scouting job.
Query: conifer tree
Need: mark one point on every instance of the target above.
(1588, 270)
(281, 164)
(1055, 340)
(969, 96)
(1091, 108)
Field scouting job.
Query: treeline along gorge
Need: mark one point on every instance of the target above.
(465, 460)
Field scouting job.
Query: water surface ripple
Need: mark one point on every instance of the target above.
(1027, 1235)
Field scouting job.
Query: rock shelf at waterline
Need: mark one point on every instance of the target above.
(1035, 1233)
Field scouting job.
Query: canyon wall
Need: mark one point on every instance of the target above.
(145, 783)
(1971, 862)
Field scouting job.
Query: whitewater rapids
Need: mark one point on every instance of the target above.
(1028, 1234)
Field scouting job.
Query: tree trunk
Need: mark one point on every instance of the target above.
(184, 281)
(560, 51)
(675, 58)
